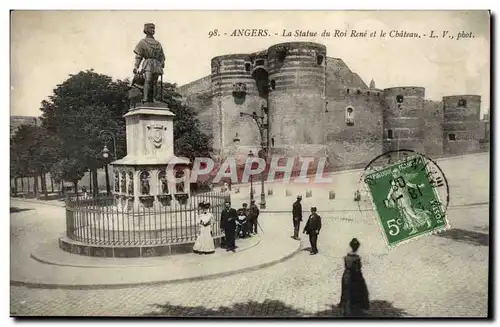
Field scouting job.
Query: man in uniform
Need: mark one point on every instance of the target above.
(150, 52)
(297, 217)
(312, 227)
(228, 224)
(253, 217)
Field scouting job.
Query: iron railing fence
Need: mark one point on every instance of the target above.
(106, 221)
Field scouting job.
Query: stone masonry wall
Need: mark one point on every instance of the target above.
(403, 117)
(355, 137)
(461, 126)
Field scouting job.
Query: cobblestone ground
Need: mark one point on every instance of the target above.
(433, 276)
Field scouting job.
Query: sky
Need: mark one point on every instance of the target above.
(47, 46)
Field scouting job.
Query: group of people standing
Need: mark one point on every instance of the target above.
(312, 227)
(354, 296)
(240, 223)
(234, 223)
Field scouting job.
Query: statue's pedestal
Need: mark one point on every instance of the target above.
(150, 175)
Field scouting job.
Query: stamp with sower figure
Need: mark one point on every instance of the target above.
(405, 198)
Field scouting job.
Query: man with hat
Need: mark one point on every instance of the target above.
(253, 217)
(228, 224)
(242, 222)
(297, 217)
(312, 227)
(150, 52)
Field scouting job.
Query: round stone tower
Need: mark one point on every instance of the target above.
(461, 132)
(297, 76)
(402, 118)
(234, 91)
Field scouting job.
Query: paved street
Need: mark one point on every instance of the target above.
(434, 276)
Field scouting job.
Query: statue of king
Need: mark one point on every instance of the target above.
(150, 53)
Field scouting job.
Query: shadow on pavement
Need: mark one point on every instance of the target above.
(15, 209)
(466, 236)
(269, 308)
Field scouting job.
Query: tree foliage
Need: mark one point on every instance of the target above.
(189, 140)
(79, 108)
(87, 103)
(34, 150)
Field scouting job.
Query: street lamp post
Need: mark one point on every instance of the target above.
(250, 155)
(106, 136)
(264, 146)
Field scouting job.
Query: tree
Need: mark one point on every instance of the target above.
(34, 151)
(189, 140)
(88, 102)
(70, 170)
(77, 111)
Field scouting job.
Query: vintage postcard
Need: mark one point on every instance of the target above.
(250, 163)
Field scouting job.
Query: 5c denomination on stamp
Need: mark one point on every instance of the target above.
(405, 199)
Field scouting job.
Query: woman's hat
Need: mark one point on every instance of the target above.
(204, 205)
(354, 243)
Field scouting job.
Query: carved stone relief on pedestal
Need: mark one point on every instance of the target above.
(156, 132)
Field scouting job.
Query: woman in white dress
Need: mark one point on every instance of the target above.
(204, 243)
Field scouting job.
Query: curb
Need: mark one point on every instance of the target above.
(62, 264)
(173, 281)
(357, 210)
(54, 204)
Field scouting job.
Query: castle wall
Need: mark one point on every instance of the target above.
(433, 128)
(461, 126)
(402, 117)
(226, 121)
(201, 85)
(356, 137)
(308, 100)
(340, 76)
(297, 102)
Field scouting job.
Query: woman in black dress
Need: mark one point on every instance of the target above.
(354, 298)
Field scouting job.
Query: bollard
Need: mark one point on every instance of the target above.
(332, 195)
(308, 193)
(357, 196)
(270, 191)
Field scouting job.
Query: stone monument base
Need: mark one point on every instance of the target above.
(128, 251)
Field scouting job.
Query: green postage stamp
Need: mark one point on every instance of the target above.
(405, 201)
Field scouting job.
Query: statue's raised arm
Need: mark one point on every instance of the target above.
(150, 61)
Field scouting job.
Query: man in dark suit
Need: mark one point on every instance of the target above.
(313, 226)
(228, 224)
(253, 217)
(297, 217)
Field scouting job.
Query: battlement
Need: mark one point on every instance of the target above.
(417, 91)
(364, 92)
(314, 100)
(200, 85)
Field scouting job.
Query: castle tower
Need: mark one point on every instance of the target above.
(461, 132)
(234, 90)
(297, 77)
(402, 118)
